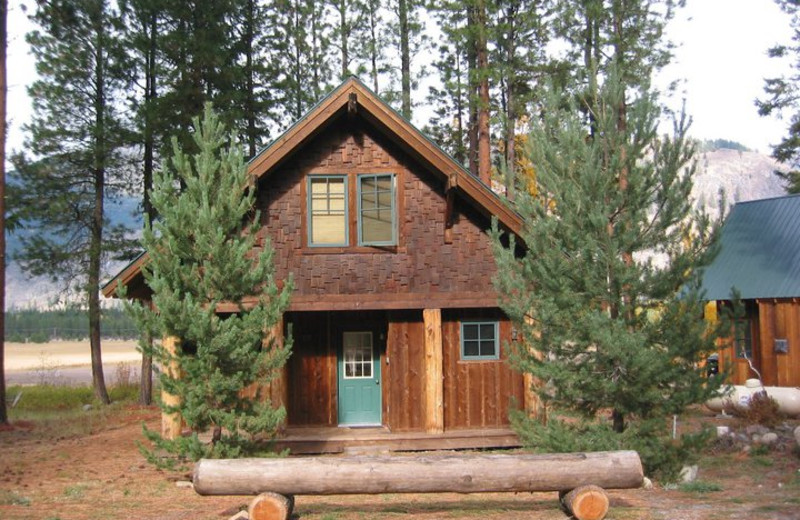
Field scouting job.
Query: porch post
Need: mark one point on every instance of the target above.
(277, 389)
(434, 381)
(533, 405)
(171, 423)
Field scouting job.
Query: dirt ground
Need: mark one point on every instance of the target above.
(97, 472)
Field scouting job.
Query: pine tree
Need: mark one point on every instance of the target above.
(521, 37)
(407, 35)
(143, 26)
(610, 335)
(200, 256)
(783, 95)
(607, 292)
(78, 134)
(303, 31)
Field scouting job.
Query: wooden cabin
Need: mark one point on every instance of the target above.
(760, 257)
(394, 317)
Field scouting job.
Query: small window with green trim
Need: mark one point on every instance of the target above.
(327, 210)
(377, 211)
(480, 340)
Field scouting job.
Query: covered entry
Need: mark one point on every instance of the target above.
(335, 373)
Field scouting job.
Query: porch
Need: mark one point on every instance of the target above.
(306, 440)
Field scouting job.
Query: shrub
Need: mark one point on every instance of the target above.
(761, 409)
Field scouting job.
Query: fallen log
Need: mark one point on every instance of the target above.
(474, 473)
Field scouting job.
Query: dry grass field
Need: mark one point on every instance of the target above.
(30, 356)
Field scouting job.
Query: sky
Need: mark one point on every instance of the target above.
(721, 60)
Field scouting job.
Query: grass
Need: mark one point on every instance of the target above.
(700, 487)
(76, 492)
(12, 498)
(58, 409)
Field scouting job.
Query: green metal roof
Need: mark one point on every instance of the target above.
(759, 251)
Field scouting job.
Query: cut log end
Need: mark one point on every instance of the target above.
(586, 502)
(271, 506)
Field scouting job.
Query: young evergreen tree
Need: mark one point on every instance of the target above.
(76, 136)
(200, 256)
(618, 339)
(783, 95)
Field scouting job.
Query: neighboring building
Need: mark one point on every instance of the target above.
(394, 316)
(760, 257)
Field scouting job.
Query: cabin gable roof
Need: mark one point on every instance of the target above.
(759, 252)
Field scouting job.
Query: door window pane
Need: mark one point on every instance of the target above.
(357, 355)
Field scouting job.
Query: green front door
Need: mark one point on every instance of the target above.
(359, 380)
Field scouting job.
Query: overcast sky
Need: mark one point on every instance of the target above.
(721, 58)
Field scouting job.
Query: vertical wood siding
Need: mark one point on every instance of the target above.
(780, 320)
(404, 405)
(771, 320)
(312, 371)
(477, 394)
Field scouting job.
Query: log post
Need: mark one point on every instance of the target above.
(278, 387)
(478, 473)
(586, 502)
(271, 506)
(533, 405)
(434, 381)
(171, 423)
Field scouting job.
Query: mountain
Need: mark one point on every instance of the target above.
(23, 292)
(742, 175)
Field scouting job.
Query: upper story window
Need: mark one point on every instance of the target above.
(376, 210)
(327, 209)
(374, 202)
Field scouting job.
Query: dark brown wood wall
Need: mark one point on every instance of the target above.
(312, 371)
(477, 394)
(421, 264)
(403, 405)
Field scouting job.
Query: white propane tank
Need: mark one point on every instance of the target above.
(788, 398)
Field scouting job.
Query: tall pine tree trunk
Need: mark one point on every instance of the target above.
(482, 60)
(3, 40)
(344, 32)
(405, 58)
(146, 375)
(250, 105)
(373, 43)
(93, 281)
(472, 101)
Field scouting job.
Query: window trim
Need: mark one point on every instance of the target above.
(493, 357)
(310, 213)
(359, 210)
